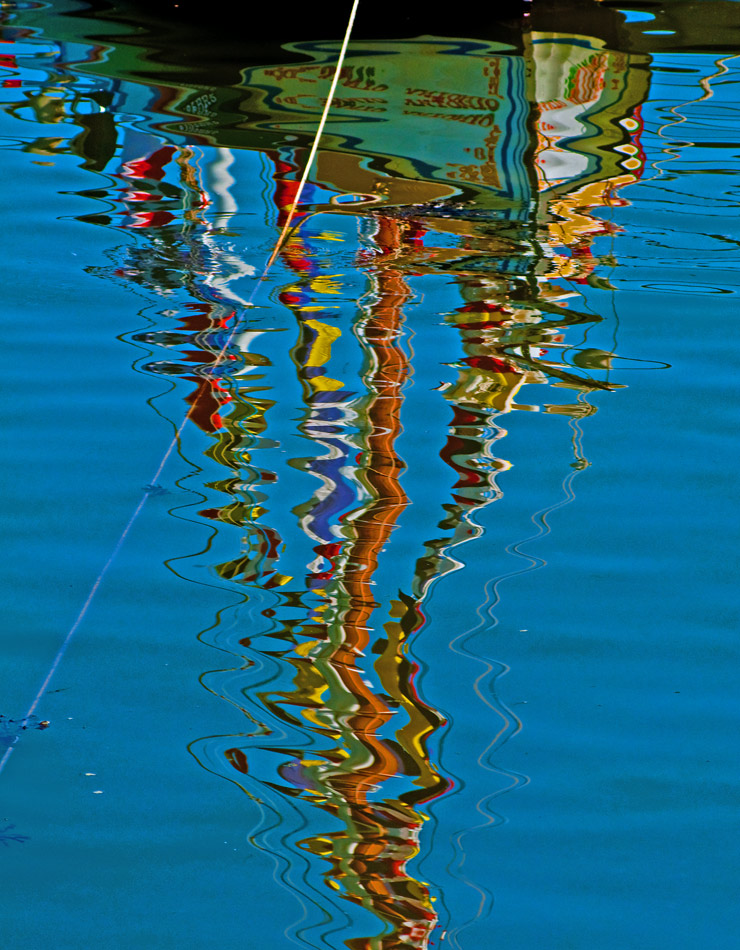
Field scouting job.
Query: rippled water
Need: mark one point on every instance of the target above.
(389, 600)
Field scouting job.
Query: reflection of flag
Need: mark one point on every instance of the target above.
(286, 188)
(206, 402)
(152, 166)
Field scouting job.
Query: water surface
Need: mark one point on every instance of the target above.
(421, 632)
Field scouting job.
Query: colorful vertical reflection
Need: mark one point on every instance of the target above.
(491, 177)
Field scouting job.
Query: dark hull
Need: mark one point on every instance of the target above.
(326, 18)
(274, 24)
(243, 32)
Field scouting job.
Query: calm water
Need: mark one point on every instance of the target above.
(422, 631)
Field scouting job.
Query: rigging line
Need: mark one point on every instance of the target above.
(176, 437)
(315, 146)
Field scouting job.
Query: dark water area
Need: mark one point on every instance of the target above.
(387, 598)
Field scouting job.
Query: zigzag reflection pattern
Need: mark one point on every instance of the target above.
(336, 719)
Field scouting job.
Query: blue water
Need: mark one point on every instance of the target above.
(425, 633)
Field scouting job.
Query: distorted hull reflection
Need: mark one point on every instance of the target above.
(487, 171)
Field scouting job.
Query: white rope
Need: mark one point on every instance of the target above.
(315, 146)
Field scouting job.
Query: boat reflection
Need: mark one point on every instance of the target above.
(490, 175)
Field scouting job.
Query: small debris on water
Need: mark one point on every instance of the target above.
(11, 729)
(6, 837)
(156, 489)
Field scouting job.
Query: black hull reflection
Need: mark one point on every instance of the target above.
(294, 20)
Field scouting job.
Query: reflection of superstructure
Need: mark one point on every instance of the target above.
(412, 122)
(586, 103)
(349, 688)
(486, 175)
(424, 122)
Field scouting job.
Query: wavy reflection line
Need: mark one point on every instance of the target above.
(485, 684)
(705, 84)
(286, 860)
(511, 724)
(291, 868)
(491, 819)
